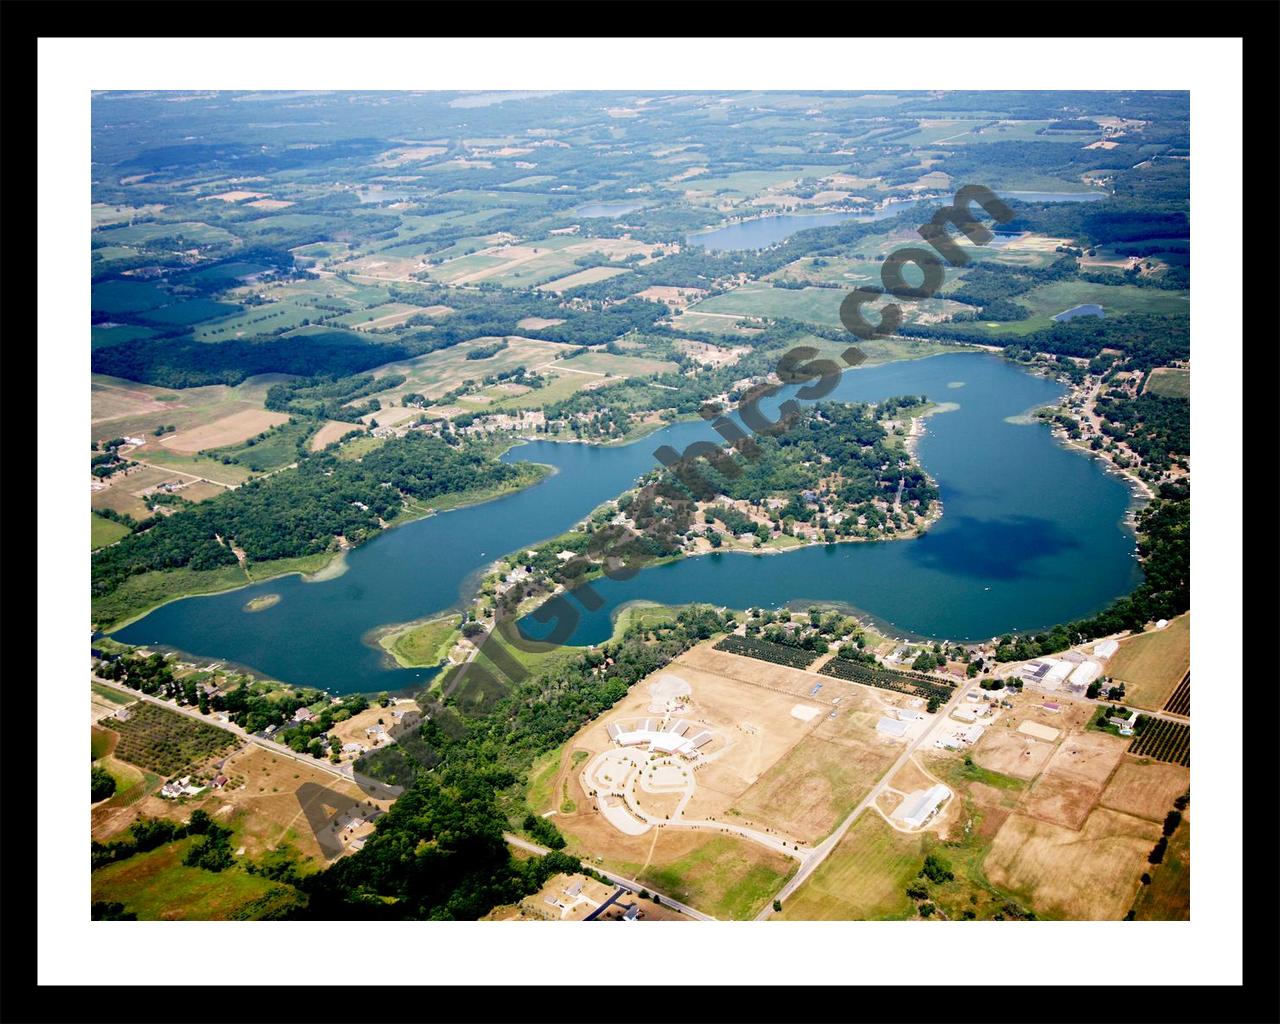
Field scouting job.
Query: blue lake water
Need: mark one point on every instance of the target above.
(761, 232)
(1032, 534)
(1088, 309)
(607, 209)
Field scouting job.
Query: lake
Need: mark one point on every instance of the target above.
(1088, 309)
(607, 209)
(1032, 534)
(761, 232)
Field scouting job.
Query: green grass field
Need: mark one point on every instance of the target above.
(256, 320)
(190, 231)
(1047, 300)
(813, 305)
(198, 465)
(1152, 664)
(730, 879)
(275, 451)
(110, 694)
(617, 366)
(193, 311)
(157, 886)
(423, 645)
(751, 182)
(864, 878)
(127, 297)
(105, 337)
(105, 531)
(559, 386)
(1170, 382)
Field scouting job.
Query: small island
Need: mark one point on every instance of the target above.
(262, 603)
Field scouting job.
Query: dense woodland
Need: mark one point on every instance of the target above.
(301, 512)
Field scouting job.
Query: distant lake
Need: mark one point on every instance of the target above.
(1087, 309)
(1032, 534)
(385, 195)
(1054, 197)
(607, 209)
(762, 232)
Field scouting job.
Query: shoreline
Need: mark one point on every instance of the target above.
(336, 564)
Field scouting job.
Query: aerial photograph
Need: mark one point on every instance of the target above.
(674, 506)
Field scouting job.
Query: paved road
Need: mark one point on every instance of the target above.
(342, 771)
(823, 849)
(626, 883)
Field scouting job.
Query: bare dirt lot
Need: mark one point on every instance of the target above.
(1010, 752)
(1089, 875)
(1074, 777)
(239, 426)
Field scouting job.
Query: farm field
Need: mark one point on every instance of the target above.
(1089, 875)
(157, 886)
(813, 305)
(728, 878)
(187, 231)
(384, 315)
(233, 429)
(255, 320)
(437, 372)
(615, 366)
(330, 432)
(812, 788)
(192, 311)
(863, 879)
(166, 742)
(1163, 741)
(588, 276)
(1146, 789)
(105, 531)
(103, 336)
(502, 397)
(1170, 382)
(195, 465)
(1152, 664)
(125, 408)
(1168, 897)
(124, 492)
(275, 451)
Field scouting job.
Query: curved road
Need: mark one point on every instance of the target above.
(626, 883)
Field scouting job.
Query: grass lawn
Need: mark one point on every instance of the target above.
(864, 878)
(1152, 664)
(157, 886)
(730, 879)
(105, 531)
(559, 386)
(112, 695)
(197, 465)
(423, 645)
(1170, 382)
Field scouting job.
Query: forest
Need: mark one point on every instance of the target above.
(301, 511)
